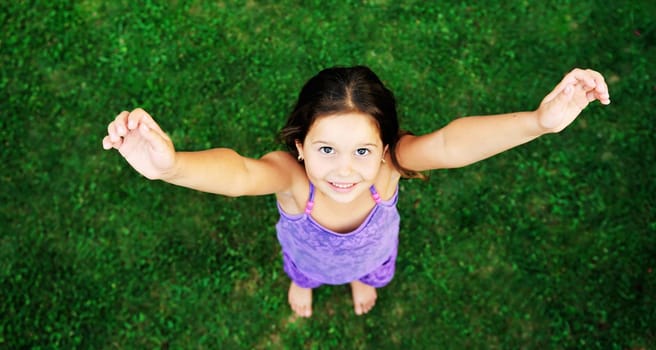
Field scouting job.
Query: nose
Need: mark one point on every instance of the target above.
(345, 165)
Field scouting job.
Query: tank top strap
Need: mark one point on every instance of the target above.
(310, 203)
(374, 194)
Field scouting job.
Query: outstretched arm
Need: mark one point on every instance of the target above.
(470, 139)
(150, 151)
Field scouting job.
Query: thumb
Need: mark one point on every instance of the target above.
(575, 96)
(568, 90)
(564, 97)
(557, 96)
(158, 142)
(566, 94)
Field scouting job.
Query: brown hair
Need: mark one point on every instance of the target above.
(340, 90)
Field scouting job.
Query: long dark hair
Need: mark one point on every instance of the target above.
(341, 90)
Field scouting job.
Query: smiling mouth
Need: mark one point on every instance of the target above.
(342, 186)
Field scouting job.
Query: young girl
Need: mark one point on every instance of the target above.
(337, 185)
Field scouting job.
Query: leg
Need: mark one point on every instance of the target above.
(364, 297)
(300, 290)
(300, 299)
(364, 289)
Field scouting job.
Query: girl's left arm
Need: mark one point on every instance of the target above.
(467, 140)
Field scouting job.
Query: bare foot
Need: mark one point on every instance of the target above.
(364, 297)
(300, 299)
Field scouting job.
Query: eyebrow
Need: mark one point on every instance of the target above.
(329, 143)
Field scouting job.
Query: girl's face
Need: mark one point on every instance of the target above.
(343, 154)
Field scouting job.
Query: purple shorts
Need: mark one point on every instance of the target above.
(377, 278)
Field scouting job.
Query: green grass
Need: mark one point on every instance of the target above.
(548, 246)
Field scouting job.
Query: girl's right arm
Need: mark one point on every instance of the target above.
(150, 151)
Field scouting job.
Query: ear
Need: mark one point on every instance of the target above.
(385, 149)
(299, 148)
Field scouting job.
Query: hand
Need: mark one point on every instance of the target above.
(142, 143)
(577, 89)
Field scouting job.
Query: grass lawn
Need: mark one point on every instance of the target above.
(548, 246)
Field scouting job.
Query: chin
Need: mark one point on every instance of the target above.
(343, 199)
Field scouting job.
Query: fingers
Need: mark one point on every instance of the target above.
(108, 144)
(586, 77)
(125, 122)
(598, 90)
(589, 83)
(601, 92)
(139, 116)
(115, 131)
(593, 84)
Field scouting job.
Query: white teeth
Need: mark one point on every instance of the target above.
(342, 185)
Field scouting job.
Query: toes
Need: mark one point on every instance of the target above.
(364, 308)
(302, 310)
(364, 297)
(305, 311)
(370, 306)
(300, 300)
(359, 309)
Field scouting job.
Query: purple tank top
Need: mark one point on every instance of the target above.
(338, 258)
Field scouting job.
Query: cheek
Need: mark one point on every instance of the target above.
(369, 169)
(316, 168)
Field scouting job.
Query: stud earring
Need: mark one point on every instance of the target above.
(382, 160)
(300, 158)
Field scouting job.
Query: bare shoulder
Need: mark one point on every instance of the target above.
(283, 162)
(280, 158)
(274, 172)
(292, 197)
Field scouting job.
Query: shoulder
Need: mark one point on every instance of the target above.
(292, 198)
(274, 172)
(284, 162)
(280, 158)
